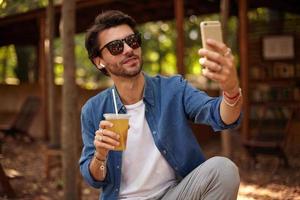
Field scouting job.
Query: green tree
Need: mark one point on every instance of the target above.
(10, 7)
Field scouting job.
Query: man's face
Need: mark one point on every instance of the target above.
(126, 64)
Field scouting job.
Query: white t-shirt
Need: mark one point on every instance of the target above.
(145, 172)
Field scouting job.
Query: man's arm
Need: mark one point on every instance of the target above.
(104, 141)
(98, 167)
(90, 168)
(219, 66)
(231, 106)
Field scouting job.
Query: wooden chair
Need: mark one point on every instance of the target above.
(270, 144)
(23, 120)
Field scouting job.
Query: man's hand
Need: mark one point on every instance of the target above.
(105, 140)
(219, 66)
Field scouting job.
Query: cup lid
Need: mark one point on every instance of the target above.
(116, 116)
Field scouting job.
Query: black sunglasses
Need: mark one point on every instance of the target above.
(116, 47)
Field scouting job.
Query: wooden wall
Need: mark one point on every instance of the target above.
(273, 84)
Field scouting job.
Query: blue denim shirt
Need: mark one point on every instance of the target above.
(169, 105)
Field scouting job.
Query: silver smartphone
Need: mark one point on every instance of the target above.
(212, 30)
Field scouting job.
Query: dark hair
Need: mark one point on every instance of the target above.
(104, 21)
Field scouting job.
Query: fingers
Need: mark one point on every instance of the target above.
(218, 64)
(108, 133)
(101, 146)
(217, 60)
(105, 124)
(108, 141)
(105, 139)
(219, 47)
(215, 57)
(212, 66)
(219, 77)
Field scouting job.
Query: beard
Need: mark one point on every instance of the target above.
(120, 70)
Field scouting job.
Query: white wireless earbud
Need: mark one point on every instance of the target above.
(100, 66)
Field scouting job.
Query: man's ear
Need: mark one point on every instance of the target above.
(97, 62)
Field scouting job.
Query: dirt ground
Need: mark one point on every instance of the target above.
(266, 180)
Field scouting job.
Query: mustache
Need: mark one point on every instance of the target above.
(132, 56)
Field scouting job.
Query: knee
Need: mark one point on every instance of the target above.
(225, 169)
(223, 163)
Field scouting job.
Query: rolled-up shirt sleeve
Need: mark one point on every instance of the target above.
(203, 109)
(88, 133)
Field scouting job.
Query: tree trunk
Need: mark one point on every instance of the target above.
(70, 115)
(49, 52)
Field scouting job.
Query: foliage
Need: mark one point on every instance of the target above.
(10, 7)
(158, 47)
(8, 62)
(86, 73)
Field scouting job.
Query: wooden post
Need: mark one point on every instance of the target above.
(225, 135)
(42, 74)
(179, 15)
(224, 7)
(243, 38)
(49, 54)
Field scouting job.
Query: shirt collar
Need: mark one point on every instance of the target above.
(148, 91)
(148, 95)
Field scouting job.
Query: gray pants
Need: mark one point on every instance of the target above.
(215, 179)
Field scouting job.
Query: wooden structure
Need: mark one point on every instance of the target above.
(23, 120)
(5, 187)
(33, 28)
(271, 144)
(273, 87)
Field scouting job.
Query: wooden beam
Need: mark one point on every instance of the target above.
(225, 135)
(54, 135)
(243, 44)
(224, 7)
(179, 16)
(42, 73)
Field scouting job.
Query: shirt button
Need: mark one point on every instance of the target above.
(154, 132)
(165, 152)
(117, 190)
(176, 168)
(118, 166)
